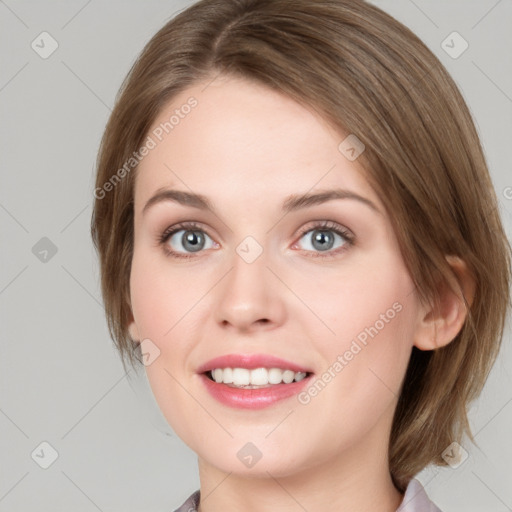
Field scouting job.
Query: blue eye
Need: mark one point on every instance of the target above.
(323, 237)
(189, 236)
(323, 240)
(192, 239)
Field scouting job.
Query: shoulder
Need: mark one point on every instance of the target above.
(416, 499)
(191, 504)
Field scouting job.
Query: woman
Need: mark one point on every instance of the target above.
(299, 237)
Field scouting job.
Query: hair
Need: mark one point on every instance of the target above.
(368, 75)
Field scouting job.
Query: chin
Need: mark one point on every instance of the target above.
(247, 460)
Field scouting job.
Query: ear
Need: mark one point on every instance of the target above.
(440, 325)
(133, 330)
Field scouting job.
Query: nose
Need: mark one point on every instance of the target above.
(250, 297)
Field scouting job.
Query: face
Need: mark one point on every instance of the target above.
(266, 281)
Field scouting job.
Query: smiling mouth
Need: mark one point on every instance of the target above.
(256, 378)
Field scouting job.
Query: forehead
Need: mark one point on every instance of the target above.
(231, 136)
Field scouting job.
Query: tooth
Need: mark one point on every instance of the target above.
(227, 375)
(288, 376)
(256, 377)
(275, 376)
(241, 376)
(259, 376)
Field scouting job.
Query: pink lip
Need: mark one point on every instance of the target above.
(250, 361)
(251, 398)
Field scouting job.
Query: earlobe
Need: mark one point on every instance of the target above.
(133, 331)
(442, 322)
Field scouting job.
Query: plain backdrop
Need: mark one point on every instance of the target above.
(65, 401)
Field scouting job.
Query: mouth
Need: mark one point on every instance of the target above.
(253, 381)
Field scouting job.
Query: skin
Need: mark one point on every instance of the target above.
(247, 149)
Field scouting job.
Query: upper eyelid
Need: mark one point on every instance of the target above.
(328, 225)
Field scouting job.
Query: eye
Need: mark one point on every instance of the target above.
(185, 239)
(323, 237)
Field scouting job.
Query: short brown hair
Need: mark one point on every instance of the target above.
(368, 75)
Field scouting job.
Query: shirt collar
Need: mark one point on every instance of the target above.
(415, 500)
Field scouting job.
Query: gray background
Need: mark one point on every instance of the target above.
(61, 381)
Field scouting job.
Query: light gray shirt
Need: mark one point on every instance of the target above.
(415, 500)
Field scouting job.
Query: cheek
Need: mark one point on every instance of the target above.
(160, 298)
(367, 361)
(371, 312)
(160, 303)
(353, 297)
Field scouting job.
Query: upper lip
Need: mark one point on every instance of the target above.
(250, 361)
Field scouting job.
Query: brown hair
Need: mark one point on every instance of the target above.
(368, 75)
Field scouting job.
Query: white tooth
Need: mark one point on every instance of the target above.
(275, 376)
(255, 377)
(227, 375)
(259, 376)
(299, 376)
(241, 376)
(288, 376)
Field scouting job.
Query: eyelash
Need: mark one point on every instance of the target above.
(322, 226)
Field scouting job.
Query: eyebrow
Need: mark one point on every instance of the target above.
(292, 203)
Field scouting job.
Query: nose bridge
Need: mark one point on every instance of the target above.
(248, 296)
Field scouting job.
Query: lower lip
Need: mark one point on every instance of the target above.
(252, 398)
